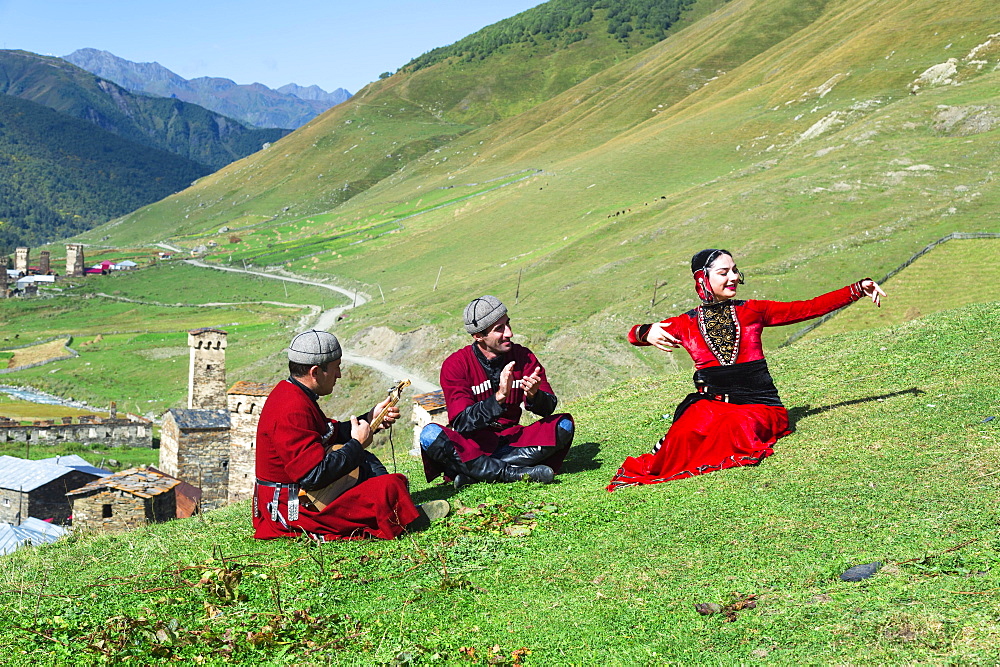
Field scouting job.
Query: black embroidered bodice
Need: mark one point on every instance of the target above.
(721, 330)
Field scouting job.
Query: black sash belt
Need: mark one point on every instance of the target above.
(743, 384)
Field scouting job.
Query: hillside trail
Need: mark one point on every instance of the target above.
(327, 319)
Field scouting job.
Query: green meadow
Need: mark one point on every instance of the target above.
(891, 461)
(575, 182)
(137, 355)
(956, 273)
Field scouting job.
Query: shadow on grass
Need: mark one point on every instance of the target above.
(439, 491)
(581, 457)
(803, 411)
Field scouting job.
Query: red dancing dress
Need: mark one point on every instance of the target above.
(735, 415)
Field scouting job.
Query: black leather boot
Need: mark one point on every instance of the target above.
(442, 452)
(525, 456)
(489, 469)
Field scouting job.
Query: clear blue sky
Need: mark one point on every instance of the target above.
(332, 43)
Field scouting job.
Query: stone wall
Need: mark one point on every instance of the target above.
(21, 260)
(170, 436)
(117, 433)
(13, 506)
(245, 402)
(199, 457)
(74, 260)
(112, 509)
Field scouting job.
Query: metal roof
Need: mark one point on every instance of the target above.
(200, 419)
(76, 463)
(31, 531)
(23, 475)
(142, 482)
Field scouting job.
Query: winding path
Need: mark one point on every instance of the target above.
(327, 319)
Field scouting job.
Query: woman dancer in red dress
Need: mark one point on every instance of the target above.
(735, 415)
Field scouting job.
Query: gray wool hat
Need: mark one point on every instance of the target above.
(482, 313)
(314, 348)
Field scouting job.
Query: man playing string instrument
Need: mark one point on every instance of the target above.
(300, 449)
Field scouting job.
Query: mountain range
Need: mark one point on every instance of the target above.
(288, 107)
(77, 150)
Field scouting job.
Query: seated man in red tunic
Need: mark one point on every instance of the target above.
(484, 386)
(296, 450)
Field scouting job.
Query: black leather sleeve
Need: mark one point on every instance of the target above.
(478, 415)
(543, 405)
(372, 467)
(334, 465)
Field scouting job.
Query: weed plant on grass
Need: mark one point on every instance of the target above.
(891, 462)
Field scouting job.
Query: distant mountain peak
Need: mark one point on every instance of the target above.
(255, 104)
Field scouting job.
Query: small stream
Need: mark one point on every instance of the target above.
(35, 396)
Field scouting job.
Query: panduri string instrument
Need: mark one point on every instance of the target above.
(318, 499)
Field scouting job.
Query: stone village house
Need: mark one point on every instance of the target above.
(38, 488)
(126, 499)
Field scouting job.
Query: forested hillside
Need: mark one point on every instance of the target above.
(639, 23)
(60, 176)
(171, 125)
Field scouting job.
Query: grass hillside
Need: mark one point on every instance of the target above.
(60, 176)
(956, 273)
(896, 465)
(788, 132)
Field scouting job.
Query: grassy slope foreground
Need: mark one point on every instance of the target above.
(783, 130)
(891, 462)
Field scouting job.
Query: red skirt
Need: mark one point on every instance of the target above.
(378, 507)
(710, 435)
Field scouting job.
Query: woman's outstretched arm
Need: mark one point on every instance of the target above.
(777, 313)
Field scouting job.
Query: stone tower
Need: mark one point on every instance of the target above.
(245, 402)
(21, 260)
(207, 371)
(74, 260)
(44, 263)
(3, 281)
(194, 447)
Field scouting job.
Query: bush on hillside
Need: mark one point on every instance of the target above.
(563, 22)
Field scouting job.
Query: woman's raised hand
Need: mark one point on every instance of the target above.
(661, 339)
(871, 288)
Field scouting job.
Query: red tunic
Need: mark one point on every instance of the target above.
(464, 382)
(288, 447)
(714, 434)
